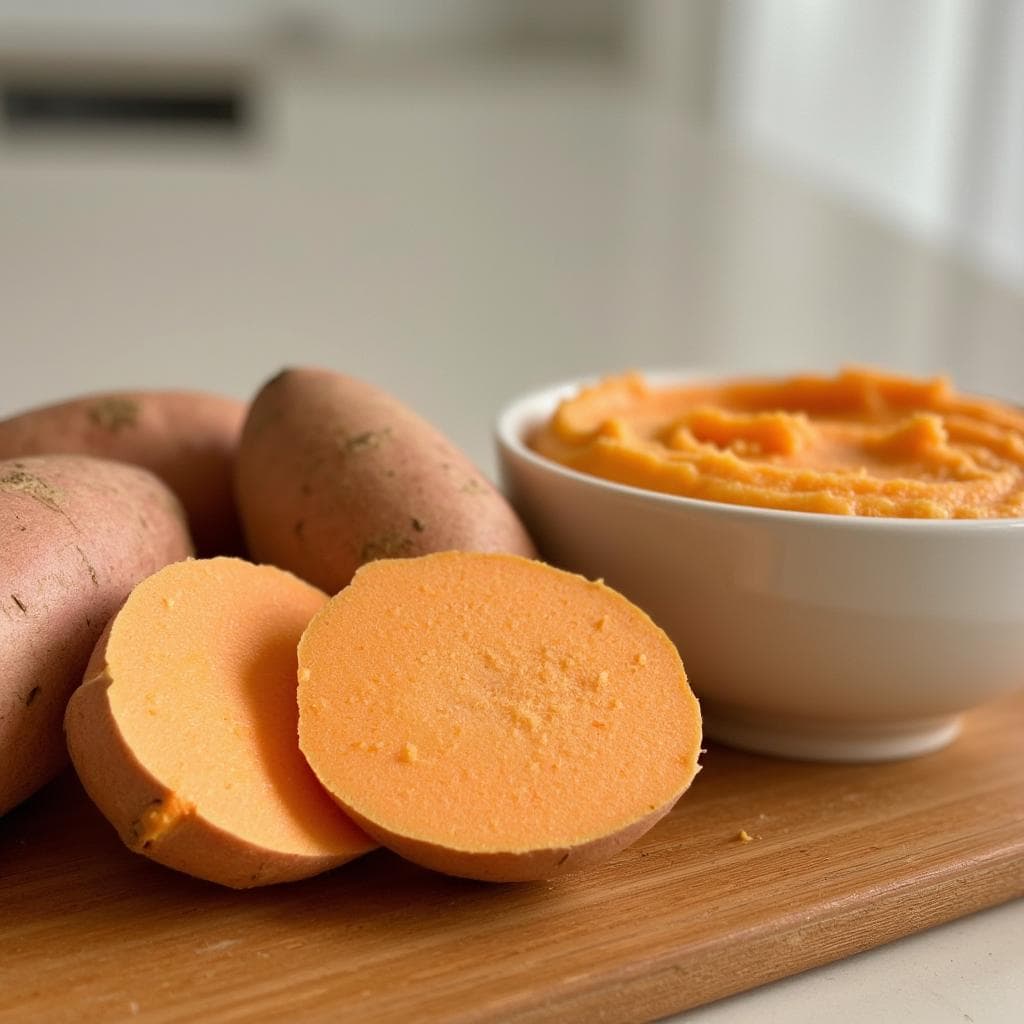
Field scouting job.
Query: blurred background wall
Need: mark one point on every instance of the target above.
(912, 109)
(461, 199)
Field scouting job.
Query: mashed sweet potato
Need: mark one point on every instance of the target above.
(861, 443)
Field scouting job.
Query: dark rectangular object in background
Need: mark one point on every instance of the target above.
(84, 105)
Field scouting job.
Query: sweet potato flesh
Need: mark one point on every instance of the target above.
(485, 702)
(202, 662)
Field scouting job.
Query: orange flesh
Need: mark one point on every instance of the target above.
(203, 668)
(861, 443)
(485, 702)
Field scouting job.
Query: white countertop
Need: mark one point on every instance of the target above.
(457, 238)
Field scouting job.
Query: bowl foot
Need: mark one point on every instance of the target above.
(815, 740)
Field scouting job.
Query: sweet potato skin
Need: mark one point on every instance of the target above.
(76, 534)
(510, 865)
(332, 473)
(186, 438)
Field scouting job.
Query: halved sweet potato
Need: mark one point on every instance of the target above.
(184, 731)
(493, 717)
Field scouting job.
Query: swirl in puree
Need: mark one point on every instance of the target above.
(861, 443)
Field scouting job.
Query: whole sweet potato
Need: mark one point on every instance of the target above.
(76, 534)
(331, 473)
(186, 438)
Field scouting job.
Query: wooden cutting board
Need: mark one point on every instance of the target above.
(841, 858)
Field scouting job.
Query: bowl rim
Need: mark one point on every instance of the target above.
(531, 408)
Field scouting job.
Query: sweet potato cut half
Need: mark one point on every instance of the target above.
(492, 717)
(184, 731)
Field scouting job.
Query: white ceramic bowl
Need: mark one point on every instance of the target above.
(804, 635)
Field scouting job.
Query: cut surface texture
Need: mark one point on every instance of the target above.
(184, 731)
(493, 717)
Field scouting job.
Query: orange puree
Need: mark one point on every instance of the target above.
(861, 443)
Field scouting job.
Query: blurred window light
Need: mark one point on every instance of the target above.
(914, 108)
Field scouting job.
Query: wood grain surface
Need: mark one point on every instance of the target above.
(841, 858)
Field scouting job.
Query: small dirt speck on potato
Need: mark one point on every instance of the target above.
(115, 413)
(89, 566)
(387, 545)
(20, 480)
(366, 440)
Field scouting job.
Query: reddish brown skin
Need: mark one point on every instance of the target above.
(332, 473)
(76, 534)
(188, 439)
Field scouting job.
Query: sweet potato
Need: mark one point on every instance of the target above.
(492, 717)
(184, 731)
(186, 438)
(76, 534)
(332, 473)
